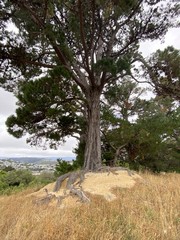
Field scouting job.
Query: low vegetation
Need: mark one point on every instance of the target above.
(149, 210)
(12, 180)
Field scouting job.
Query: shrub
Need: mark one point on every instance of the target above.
(45, 178)
(17, 177)
(63, 167)
(8, 169)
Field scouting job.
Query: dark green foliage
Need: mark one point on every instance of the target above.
(157, 144)
(63, 167)
(43, 103)
(150, 141)
(18, 177)
(8, 169)
(164, 72)
(113, 66)
(3, 184)
(15, 180)
(44, 178)
(79, 151)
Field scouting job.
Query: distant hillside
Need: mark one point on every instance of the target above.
(38, 159)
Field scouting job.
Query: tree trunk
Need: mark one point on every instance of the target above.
(92, 154)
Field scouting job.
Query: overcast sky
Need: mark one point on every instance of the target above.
(12, 147)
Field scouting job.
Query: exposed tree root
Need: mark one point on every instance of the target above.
(114, 169)
(46, 199)
(73, 178)
(73, 185)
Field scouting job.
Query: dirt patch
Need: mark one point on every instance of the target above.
(103, 183)
(94, 183)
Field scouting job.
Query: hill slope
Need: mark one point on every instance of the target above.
(148, 210)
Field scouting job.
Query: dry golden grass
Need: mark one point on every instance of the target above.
(150, 210)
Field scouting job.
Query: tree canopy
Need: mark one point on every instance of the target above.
(150, 139)
(164, 72)
(48, 109)
(86, 44)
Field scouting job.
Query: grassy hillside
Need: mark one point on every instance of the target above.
(150, 210)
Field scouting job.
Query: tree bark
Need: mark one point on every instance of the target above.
(92, 156)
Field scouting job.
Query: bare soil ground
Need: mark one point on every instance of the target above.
(101, 183)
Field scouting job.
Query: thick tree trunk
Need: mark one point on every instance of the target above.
(92, 155)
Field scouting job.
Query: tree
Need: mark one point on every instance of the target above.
(93, 43)
(121, 105)
(163, 71)
(150, 139)
(48, 109)
(159, 128)
(63, 167)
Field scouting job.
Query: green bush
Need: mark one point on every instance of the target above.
(3, 184)
(63, 167)
(17, 177)
(14, 181)
(8, 169)
(45, 178)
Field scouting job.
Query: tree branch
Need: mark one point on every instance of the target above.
(83, 36)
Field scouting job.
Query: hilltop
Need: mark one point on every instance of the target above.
(148, 210)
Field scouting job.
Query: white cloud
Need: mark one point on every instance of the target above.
(12, 147)
(7, 103)
(172, 38)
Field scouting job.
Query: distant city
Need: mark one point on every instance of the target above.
(36, 165)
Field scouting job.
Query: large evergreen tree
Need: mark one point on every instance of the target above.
(140, 132)
(88, 43)
(163, 69)
(49, 110)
